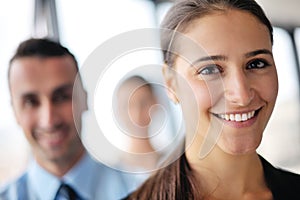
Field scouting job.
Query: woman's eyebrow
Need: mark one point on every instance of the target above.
(210, 58)
(224, 58)
(257, 52)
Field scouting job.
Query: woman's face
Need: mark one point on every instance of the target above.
(234, 84)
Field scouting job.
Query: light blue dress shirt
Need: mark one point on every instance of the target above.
(90, 180)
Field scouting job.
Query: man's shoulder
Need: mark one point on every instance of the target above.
(14, 188)
(104, 176)
(116, 171)
(105, 171)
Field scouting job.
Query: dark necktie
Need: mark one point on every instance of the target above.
(66, 192)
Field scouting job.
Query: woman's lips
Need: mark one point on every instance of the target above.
(239, 119)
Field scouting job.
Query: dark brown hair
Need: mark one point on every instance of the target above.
(40, 47)
(177, 181)
(184, 12)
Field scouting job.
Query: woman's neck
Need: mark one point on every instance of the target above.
(226, 176)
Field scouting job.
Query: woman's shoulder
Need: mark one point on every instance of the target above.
(283, 184)
(272, 172)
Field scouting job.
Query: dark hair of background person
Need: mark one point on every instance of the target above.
(178, 181)
(42, 48)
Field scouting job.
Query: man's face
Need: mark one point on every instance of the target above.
(41, 91)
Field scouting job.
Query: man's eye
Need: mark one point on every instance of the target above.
(209, 70)
(61, 98)
(257, 64)
(31, 102)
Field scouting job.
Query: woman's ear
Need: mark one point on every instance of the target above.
(170, 82)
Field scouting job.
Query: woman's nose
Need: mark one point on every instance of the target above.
(238, 89)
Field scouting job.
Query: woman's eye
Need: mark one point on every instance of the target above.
(210, 69)
(257, 64)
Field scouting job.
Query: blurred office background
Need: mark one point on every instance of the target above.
(82, 25)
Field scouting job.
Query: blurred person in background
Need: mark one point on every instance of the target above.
(41, 81)
(136, 106)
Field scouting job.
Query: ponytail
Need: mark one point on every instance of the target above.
(174, 182)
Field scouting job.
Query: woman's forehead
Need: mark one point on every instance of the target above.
(233, 31)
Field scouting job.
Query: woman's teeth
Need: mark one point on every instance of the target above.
(237, 117)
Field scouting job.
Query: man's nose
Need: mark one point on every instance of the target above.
(48, 115)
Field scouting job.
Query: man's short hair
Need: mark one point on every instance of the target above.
(43, 48)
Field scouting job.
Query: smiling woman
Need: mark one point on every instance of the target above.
(227, 89)
(242, 73)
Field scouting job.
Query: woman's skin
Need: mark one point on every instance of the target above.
(235, 87)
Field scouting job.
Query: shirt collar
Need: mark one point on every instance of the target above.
(79, 178)
(43, 183)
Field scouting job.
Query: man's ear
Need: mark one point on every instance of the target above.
(80, 96)
(170, 82)
(85, 103)
(14, 111)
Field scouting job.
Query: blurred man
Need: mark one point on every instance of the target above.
(41, 79)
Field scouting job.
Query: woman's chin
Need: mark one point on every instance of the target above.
(240, 151)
